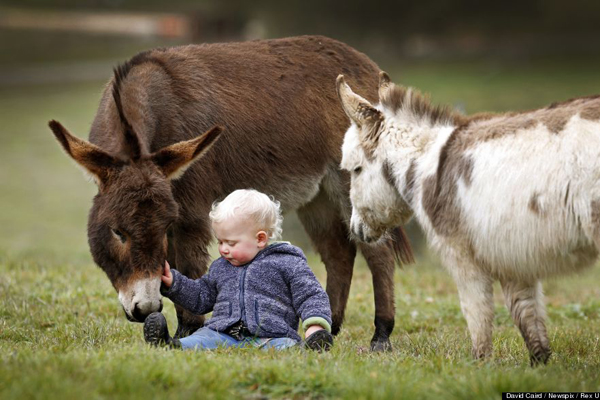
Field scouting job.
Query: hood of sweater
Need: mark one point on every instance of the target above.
(279, 248)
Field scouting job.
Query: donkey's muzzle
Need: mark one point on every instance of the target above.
(364, 234)
(141, 298)
(139, 314)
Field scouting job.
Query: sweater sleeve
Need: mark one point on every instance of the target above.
(309, 298)
(195, 295)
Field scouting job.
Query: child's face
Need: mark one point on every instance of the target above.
(239, 240)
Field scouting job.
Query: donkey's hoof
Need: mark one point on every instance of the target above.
(335, 327)
(381, 346)
(540, 358)
(481, 352)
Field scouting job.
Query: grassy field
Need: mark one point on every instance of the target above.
(63, 335)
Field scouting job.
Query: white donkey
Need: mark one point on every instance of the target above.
(513, 197)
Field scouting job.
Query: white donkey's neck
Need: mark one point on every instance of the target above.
(414, 149)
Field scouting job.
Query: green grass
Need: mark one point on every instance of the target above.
(63, 335)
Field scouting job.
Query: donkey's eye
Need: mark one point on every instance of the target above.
(119, 235)
(357, 170)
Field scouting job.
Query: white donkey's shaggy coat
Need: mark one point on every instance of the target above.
(511, 197)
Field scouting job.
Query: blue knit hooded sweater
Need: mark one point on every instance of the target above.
(269, 294)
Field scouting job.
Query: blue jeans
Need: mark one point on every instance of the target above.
(205, 338)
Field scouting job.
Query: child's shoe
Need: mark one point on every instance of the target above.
(156, 331)
(319, 341)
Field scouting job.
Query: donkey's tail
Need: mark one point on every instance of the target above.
(400, 245)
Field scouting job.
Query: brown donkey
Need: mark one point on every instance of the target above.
(283, 132)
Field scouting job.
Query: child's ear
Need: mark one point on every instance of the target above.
(262, 238)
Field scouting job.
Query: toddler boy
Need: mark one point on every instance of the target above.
(256, 291)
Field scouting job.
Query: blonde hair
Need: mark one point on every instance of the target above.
(252, 204)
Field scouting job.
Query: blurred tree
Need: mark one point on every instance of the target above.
(381, 17)
(409, 25)
(405, 27)
(395, 20)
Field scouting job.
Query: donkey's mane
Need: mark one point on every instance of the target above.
(557, 104)
(399, 98)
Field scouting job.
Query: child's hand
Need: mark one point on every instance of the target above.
(167, 276)
(312, 329)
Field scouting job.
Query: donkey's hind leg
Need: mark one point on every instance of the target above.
(525, 302)
(328, 233)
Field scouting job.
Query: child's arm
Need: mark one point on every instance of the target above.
(195, 295)
(310, 300)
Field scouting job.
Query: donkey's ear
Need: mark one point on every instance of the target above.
(358, 109)
(385, 83)
(93, 159)
(176, 158)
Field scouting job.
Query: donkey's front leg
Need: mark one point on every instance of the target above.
(380, 260)
(477, 303)
(525, 301)
(187, 323)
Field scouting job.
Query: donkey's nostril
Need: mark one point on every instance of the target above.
(129, 317)
(142, 310)
(138, 314)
